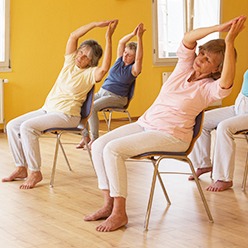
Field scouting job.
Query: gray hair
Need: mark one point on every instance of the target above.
(95, 53)
(132, 46)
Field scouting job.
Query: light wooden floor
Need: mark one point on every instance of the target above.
(53, 218)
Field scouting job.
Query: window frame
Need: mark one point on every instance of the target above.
(188, 25)
(5, 65)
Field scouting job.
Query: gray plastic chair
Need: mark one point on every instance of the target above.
(156, 156)
(108, 111)
(58, 132)
(245, 133)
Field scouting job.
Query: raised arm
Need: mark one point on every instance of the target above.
(103, 69)
(72, 42)
(137, 66)
(123, 41)
(229, 65)
(233, 27)
(190, 38)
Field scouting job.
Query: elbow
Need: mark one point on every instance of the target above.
(73, 37)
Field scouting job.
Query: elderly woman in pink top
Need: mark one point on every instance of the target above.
(196, 82)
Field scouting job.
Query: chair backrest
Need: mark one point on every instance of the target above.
(87, 105)
(130, 94)
(196, 130)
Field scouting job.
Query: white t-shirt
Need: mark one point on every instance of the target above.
(70, 89)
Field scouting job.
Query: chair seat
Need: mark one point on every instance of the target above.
(155, 154)
(54, 129)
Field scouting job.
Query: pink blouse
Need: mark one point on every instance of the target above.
(179, 101)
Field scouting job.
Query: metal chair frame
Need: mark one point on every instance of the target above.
(156, 157)
(110, 110)
(245, 133)
(86, 110)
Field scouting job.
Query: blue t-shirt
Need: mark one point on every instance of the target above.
(120, 78)
(245, 84)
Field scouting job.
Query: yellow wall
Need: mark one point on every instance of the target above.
(39, 31)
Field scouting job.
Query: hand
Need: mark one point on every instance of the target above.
(140, 30)
(135, 30)
(225, 27)
(236, 27)
(111, 28)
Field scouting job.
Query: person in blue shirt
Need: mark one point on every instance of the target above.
(122, 75)
(227, 121)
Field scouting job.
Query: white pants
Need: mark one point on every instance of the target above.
(23, 135)
(110, 151)
(226, 122)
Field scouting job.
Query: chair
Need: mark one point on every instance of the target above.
(245, 133)
(156, 156)
(110, 110)
(58, 132)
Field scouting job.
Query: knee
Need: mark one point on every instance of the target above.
(108, 148)
(25, 128)
(11, 125)
(98, 146)
(224, 128)
(112, 148)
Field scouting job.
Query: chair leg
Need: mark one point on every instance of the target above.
(161, 182)
(129, 117)
(89, 152)
(245, 174)
(200, 191)
(149, 206)
(54, 161)
(66, 159)
(109, 120)
(105, 117)
(246, 168)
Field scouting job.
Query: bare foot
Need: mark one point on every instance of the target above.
(219, 186)
(89, 144)
(200, 171)
(82, 143)
(32, 180)
(102, 213)
(112, 223)
(20, 173)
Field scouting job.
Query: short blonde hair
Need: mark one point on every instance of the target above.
(217, 46)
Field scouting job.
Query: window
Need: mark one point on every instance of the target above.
(172, 18)
(4, 35)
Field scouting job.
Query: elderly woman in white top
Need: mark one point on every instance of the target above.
(227, 121)
(62, 106)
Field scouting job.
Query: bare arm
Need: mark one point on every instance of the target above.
(233, 27)
(103, 69)
(190, 38)
(123, 41)
(137, 66)
(229, 66)
(72, 42)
